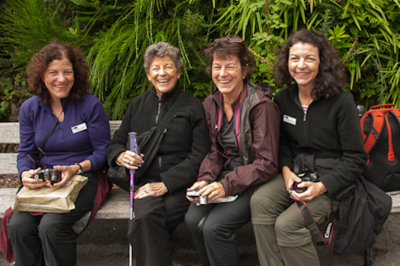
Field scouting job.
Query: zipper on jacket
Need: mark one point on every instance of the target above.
(305, 116)
(158, 111)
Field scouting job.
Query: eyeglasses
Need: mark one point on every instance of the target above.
(231, 39)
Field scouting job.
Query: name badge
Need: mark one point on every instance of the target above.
(79, 128)
(289, 120)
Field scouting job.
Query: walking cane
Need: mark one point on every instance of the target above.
(134, 148)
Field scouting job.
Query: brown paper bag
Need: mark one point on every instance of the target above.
(49, 199)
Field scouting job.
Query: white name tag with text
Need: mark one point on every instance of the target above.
(79, 128)
(289, 120)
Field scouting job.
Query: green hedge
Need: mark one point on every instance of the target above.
(114, 35)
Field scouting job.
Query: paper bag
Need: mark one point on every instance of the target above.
(49, 199)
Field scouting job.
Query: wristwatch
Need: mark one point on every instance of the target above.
(80, 171)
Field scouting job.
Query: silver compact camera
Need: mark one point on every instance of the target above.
(195, 194)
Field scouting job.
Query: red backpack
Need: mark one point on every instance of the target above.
(380, 127)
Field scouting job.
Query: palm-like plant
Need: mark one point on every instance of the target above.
(116, 60)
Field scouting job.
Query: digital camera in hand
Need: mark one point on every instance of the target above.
(306, 176)
(54, 176)
(194, 194)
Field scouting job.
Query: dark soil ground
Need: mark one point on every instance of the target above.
(9, 181)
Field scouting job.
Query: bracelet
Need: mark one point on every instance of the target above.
(80, 171)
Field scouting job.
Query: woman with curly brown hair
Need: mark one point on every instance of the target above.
(65, 128)
(320, 133)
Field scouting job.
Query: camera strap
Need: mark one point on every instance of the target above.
(319, 238)
(41, 149)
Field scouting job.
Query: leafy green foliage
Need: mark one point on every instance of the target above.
(12, 92)
(115, 34)
(116, 59)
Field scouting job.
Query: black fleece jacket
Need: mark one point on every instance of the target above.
(184, 145)
(331, 129)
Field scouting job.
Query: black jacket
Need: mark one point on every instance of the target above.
(184, 145)
(331, 129)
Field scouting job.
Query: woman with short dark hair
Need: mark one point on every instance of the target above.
(320, 134)
(243, 124)
(159, 202)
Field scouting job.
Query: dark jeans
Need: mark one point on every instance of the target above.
(155, 219)
(216, 239)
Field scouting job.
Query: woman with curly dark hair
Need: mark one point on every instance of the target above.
(320, 133)
(54, 51)
(65, 128)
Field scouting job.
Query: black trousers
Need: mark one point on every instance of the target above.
(34, 237)
(215, 240)
(155, 219)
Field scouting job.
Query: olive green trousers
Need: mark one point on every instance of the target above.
(280, 232)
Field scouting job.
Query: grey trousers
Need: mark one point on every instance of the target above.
(281, 236)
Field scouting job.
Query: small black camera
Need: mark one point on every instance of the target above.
(306, 176)
(54, 176)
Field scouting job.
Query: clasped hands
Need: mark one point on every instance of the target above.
(212, 191)
(314, 189)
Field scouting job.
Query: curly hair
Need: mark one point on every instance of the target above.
(161, 49)
(57, 51)
(331, 78)
(230, 45)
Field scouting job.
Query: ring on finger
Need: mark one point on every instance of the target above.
(130, 162)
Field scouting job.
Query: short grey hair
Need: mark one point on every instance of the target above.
(161, 49)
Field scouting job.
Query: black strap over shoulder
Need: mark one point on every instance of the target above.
(41, 149)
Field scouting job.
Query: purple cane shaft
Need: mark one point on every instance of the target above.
(131, 188)
(133, 148)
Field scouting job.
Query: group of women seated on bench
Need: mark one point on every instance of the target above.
(241, 151)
